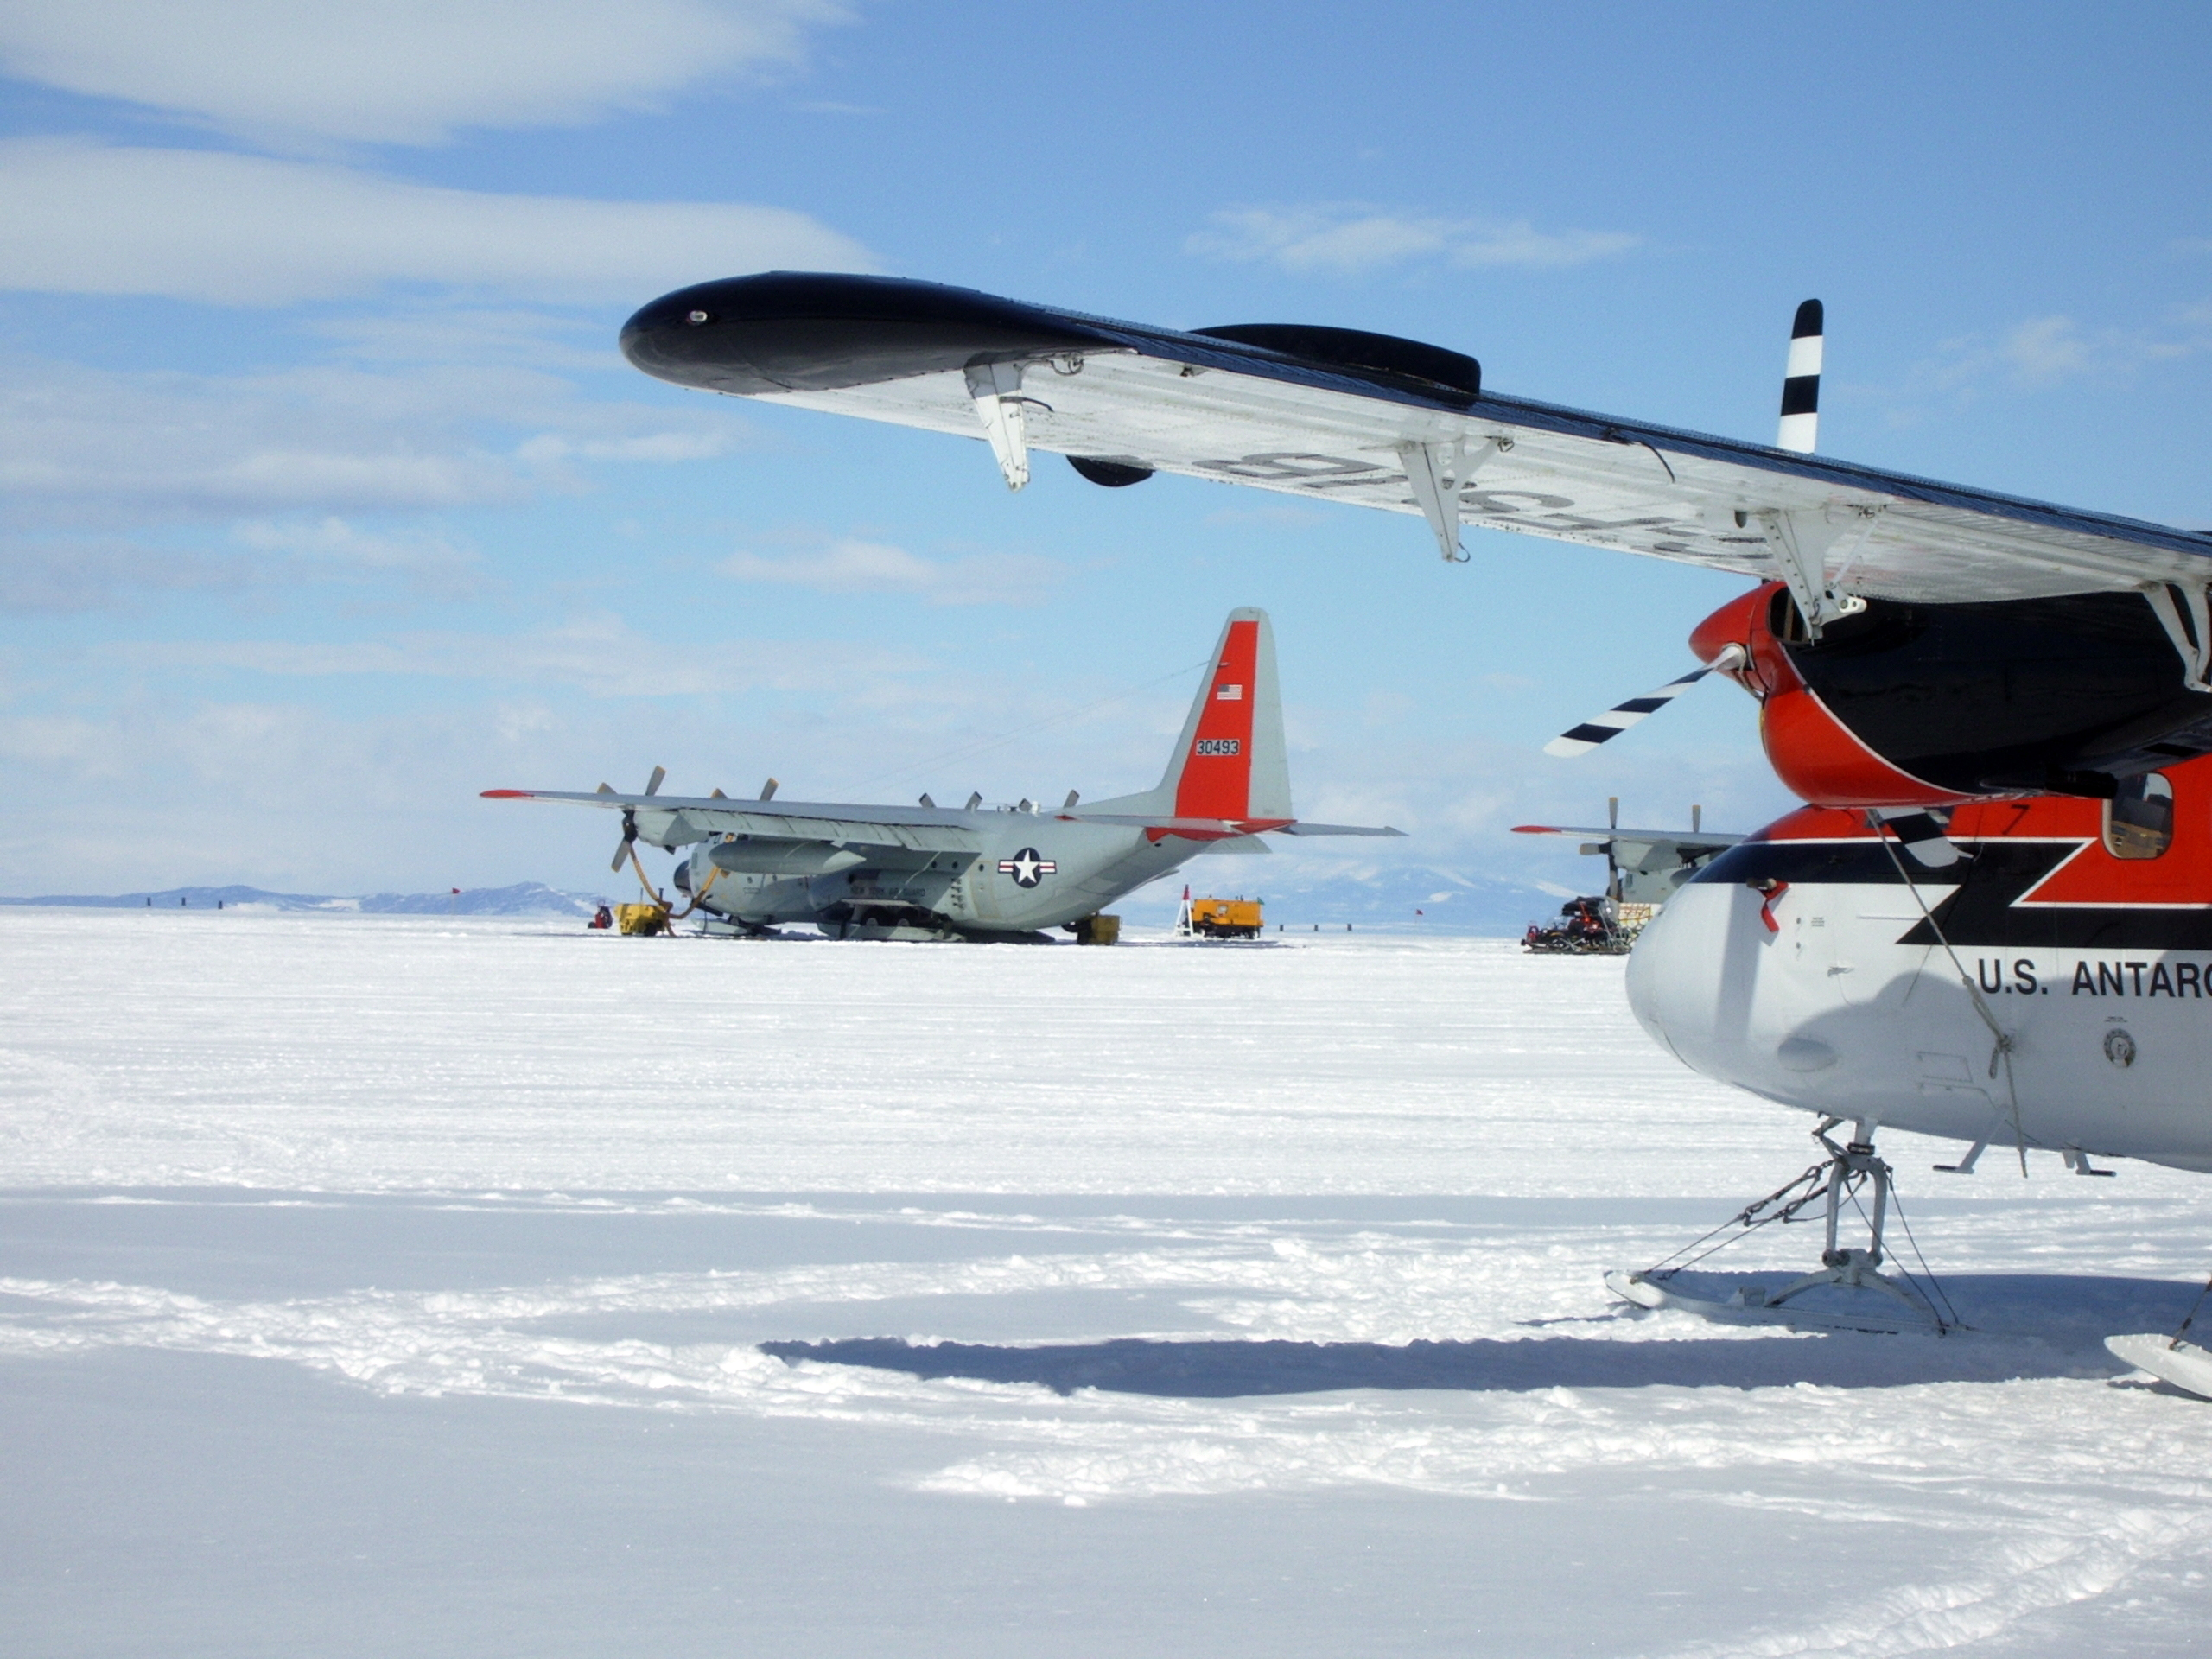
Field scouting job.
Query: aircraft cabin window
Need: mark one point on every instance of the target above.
(2140, 820)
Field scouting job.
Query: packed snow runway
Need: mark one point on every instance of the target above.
(372, 1285)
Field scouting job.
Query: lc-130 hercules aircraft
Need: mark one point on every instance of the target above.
(928, 872)
(1993, 920)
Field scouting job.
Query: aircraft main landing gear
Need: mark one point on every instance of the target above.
(1848, 1291)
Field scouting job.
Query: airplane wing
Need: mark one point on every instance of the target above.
(672, 821)
(1332, 414)
(1694, 843)
(1216, 829)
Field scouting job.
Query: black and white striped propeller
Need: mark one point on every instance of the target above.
(1919, 832)
(1603, 728)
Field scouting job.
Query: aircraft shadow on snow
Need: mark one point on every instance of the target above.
(2068, 1315)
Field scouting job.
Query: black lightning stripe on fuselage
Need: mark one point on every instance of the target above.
(1985, 908)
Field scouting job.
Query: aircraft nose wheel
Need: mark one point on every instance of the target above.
(1848, 1291)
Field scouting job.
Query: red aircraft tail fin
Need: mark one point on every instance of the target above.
(1230, 762)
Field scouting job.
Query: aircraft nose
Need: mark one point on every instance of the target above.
(1679, 974)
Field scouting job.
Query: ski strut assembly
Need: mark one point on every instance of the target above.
(1830, 1296)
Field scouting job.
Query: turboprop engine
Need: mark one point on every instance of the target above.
(1901, 704)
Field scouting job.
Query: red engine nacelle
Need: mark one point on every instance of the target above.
(1815, 755)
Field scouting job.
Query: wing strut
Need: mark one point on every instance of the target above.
(997, 388)
(1802, 543)
(2189, 628)
(1438, 473)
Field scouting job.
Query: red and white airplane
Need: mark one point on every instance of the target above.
(1992, 920)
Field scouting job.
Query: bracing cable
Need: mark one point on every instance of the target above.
(1750, 1217)
(2195, 1308)
(1912, 1280)
(2003, 1038)
(1927, 1271)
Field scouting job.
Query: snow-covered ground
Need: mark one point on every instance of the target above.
(372, 1285)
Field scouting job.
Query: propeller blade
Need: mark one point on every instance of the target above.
(629, 834)
(1801, 385)
(1922, 838)
(1581, 739)
(653, 783)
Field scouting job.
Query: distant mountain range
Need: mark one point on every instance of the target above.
(523, 899)
(1398, 898)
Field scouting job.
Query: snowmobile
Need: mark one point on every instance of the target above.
(1587, 927)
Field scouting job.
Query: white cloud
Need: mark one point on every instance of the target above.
(601, 656)
(1346, 238)
(83, 447)
(244, 230)
(2043, 349)
(2046, 351)
(401, 71)
(77, 574)
(332, 548)
(852, 566)
(65, 575)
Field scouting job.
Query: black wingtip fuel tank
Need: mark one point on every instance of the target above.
(815, 331)
(807, 331)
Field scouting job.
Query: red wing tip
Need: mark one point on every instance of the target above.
(1536, 829)
(506, 795)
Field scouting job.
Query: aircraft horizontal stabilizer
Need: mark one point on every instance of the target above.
(1687, 839)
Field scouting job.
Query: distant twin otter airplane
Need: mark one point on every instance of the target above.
(928, 872)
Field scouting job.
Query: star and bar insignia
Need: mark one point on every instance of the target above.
(1026, 868)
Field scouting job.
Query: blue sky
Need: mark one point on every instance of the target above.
(328, 501)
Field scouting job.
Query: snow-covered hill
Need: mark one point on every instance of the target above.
(523, 899)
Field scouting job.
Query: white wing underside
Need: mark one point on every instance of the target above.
(1643, 489)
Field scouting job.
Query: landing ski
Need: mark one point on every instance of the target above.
(2184, 1364)
(1880, 1307)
